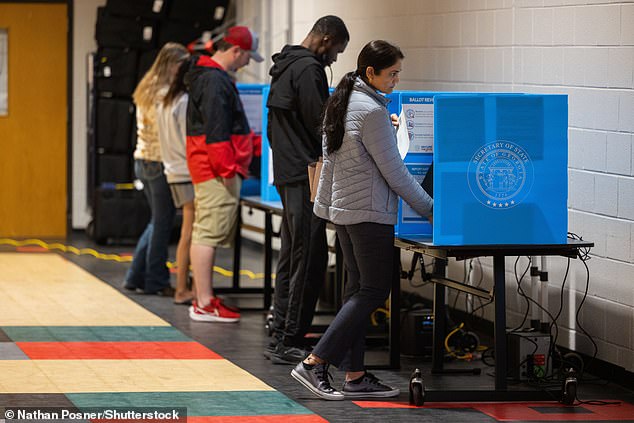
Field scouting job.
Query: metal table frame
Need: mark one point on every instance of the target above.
(499, 253)
(425, 246)
(269, 208)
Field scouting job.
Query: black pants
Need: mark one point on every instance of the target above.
(368, 258)
(301, 267)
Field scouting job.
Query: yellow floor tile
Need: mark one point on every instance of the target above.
(24, 376)
(70, 376)
(65, 295)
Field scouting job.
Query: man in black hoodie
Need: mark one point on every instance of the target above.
(299, 90)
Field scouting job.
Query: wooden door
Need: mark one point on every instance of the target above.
(33, 135)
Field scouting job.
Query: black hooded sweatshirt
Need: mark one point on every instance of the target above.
(299, 90)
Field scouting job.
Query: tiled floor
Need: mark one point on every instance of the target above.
(68, 339)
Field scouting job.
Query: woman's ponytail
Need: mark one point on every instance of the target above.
(335, 112)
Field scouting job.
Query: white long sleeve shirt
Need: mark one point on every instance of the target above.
(172, 136)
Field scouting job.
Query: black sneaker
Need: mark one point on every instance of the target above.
(287, 355)
(270, 349)
(368, 386)
(316, 379)
(129, 286)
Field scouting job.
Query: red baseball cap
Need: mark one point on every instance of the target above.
(244, 38)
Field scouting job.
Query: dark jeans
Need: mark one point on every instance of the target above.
(149, 270)
(302, 265)
(368, 258)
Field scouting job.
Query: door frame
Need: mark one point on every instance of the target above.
(69, 103)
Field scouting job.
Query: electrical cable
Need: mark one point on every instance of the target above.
(553, 324)
(425, 277)
(485, 304)
(481, 306)
(583, 254)
(467, 356)
(583, 299)
(521, 291)
(465, 278)
(485, 354)
(530, 300)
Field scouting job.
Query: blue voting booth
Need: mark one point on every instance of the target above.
(500, 167)
(251, 97)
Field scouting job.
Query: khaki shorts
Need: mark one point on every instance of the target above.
(216, 212)
(182, 193)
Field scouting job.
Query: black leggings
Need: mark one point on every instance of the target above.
(369, 259)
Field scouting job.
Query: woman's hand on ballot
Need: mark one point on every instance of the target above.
(394, 118)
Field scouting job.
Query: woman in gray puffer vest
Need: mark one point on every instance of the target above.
(362, 177)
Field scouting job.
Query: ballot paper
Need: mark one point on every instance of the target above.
(402, 136)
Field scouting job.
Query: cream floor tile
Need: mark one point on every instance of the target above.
(71, 376)
(47, 290)
(24, 376)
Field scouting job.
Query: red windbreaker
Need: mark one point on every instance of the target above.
(219, 140)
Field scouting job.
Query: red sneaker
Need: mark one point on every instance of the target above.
(215, 311)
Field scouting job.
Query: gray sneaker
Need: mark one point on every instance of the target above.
(316, 379)
(368, 387)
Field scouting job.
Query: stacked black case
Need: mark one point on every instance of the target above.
(129, 34)
(123, 215)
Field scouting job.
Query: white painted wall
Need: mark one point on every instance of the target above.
(583, 48)
(84, 20)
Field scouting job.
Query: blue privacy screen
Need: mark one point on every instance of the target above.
(500, 169)
(267, 189)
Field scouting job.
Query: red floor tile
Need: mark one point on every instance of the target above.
(294, 418)
(537, 411)
(116, 350)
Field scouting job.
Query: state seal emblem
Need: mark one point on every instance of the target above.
(500, 174)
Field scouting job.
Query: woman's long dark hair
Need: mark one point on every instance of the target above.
(380, 55)
(177, 87)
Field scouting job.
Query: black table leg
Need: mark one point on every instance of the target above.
(395, 313)
(268, 259)
(237, 250)
(500, 323)
(440, 318)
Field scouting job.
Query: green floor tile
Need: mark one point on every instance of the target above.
(234, 403)
(93, 333)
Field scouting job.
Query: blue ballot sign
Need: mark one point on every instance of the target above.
(268, 192)
(251, 97)
(500, 169)
(418, 110)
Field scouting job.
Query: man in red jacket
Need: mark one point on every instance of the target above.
(219, 151)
